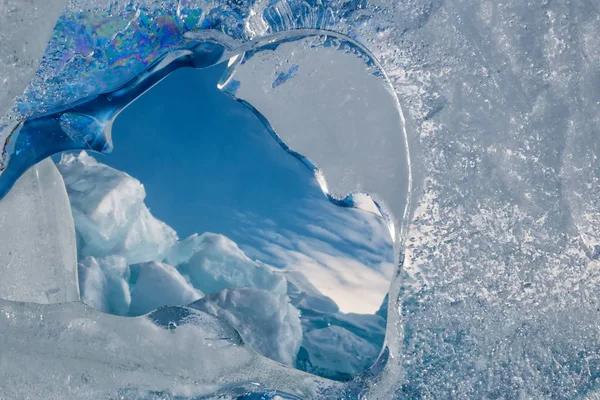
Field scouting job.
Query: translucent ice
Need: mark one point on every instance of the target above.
(333, 351)
(160, 284)
(265, 320)
(104, 284)
(25, 29)
(175, 351)
(109, 211)
(38, 257)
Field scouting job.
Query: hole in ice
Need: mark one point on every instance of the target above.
(297, 259)
(301, 278)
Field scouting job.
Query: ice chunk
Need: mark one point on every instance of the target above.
(336, 352)
(265, 320)
(109, 212)
(158, 285)
(104, 284)
(217, 263)
(38, 258)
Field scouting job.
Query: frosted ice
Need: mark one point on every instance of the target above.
(38, 257)
(265, 320)
(109, 212)
(157, 285)
(499, 290)
(25, 27)
(217, 263)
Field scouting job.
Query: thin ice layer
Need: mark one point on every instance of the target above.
(38, 256)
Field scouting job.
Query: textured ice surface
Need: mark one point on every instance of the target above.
(332, 351)
(175, 351)
(109, 211)
(26, 28)
(500, 286)
(265, 320)
(38, 255)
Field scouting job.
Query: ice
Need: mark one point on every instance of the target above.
(104, 284)
(265, 320)
(25, 27)
(70, 350)
(217, 263)
(333, 351)
(499, 288)
(38, 257)
(157, 285)
(109, 212)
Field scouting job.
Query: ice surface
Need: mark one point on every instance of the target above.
(38, 256)
(109, 211)
(160, 284)
(499, 292)
(217, 263)
(265, 320)
(175, 351)
(25, 27)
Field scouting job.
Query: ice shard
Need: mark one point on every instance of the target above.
(38, 253)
